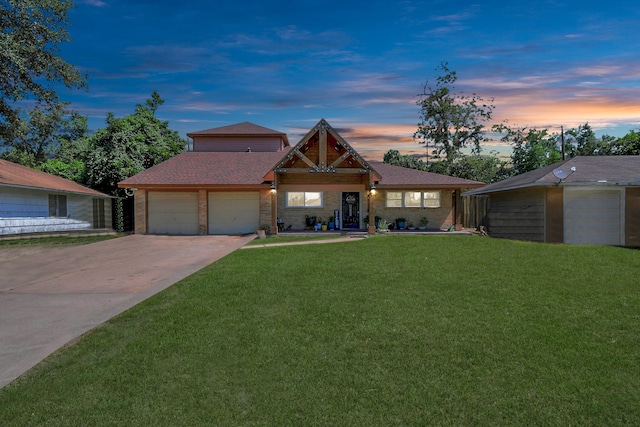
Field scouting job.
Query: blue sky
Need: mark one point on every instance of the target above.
(358, 64)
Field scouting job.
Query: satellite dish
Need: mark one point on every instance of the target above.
(560, 173)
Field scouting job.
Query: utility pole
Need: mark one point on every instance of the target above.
(562, 140)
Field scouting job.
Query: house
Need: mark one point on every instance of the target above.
(244, 177)
(583, 200)
(32, 201)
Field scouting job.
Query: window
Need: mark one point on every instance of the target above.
(57, 205)
(304, 199)
(431, 199)
(413, 199)
(394, 199)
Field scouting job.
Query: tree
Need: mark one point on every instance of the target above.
(393, 157)
(532, 148)
(586, 143)
(450, 121)
(628, 145)
(124, 148)
(475, 167)
(31, 32)
(35, 137)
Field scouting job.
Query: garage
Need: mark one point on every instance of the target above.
(593, 216)
(234, 212)
(172, 212)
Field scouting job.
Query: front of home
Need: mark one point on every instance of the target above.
(35, 202)
(583, 200)
(245, 177)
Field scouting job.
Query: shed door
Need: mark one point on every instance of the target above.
(173, 212)
(592, 217)
(234, 213)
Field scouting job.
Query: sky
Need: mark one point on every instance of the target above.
(358, 64)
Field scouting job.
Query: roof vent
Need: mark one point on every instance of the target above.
(248, 149)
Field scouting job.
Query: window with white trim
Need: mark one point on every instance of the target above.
(413, 199)
(304, 199)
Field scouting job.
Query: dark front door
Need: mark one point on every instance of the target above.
(351, 210)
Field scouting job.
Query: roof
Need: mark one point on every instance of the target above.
(12, 174)
(250, 168)
(398, 176)
(208, 168)
(589, 170)
(240, 129)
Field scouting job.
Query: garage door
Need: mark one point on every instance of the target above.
(234, 213)
(172, 213)
(592, 217)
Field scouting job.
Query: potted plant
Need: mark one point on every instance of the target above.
(401, 223)
(318, 224)
(332, 222)
(310, 221)
(324, 225)
(423, 223)
(383, 226)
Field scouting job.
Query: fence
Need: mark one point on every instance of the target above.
(475, 210)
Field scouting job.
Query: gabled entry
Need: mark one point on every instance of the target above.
(323, 150)
(323, 163)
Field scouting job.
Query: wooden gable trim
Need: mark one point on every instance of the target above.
(322, 130)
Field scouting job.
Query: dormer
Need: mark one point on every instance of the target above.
(239, 137)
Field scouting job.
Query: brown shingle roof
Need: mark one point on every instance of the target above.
(19, 176)
(240, 129)
(208, 168)
(600, 170)
(242, 168)
(397, 176)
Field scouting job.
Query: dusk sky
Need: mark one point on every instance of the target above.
(358, 64)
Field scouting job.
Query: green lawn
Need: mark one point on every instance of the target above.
(390, 330)
(54, 241)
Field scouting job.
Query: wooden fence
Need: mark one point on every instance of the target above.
(475, 210)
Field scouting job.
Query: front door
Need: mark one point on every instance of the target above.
(351, 210)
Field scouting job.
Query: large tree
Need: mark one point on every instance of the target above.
(532, 148)
(628, 145)
(127, 145)
(451, 120)
(31, 32)
(36, 135)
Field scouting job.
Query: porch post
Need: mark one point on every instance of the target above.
(273, 230)
(372, 209)
(458, 209)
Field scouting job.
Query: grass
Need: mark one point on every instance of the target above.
(54, 241)
(390, 330)
(292, 239)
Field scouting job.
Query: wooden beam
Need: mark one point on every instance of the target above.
(322, 147)
(305, 159)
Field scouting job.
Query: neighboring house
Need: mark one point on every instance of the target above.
(244, 177)
(583, 200)
(33, 201)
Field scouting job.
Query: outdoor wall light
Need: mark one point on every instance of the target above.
(273, 187)
(373, 189)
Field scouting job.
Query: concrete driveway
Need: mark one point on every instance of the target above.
(50, 296)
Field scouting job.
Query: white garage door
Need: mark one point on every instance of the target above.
(172, 212)
(592, 217)
(234, 213)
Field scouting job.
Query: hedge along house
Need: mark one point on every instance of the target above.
(583, 200)
(244, 177)
(34, 202)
